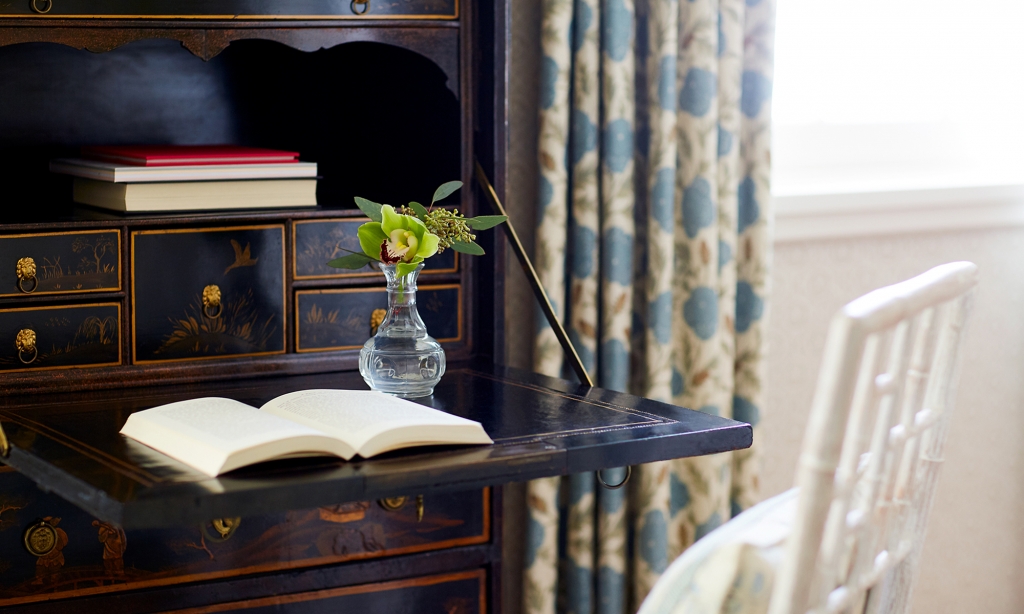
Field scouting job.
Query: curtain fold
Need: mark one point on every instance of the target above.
(653, 241)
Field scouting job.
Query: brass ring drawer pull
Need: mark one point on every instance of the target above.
(211, 302)
(26, 271)
(363, 3)
(37, 6)
(41, 537)
(393, 504)
(25, 342)
(225, 527)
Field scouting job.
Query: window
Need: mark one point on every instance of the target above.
(897, 95)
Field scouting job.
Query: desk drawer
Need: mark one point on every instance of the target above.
(89, 557)
(344, 319)
(233, 9)
(40, 338)
(318, 241)
(207, 293)
(60, 263)
(452, 593)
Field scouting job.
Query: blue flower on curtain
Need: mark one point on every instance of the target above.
(667, 83)
(699, 91)
(749, 306)
(757, 89)
(698, 207)
(724, 141)
(749, 210)
(653, 545)
(701, 312)
(548, 76)
(663, 199)
(586, 135)
(745, 411)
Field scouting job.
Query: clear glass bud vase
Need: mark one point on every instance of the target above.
(402, 359)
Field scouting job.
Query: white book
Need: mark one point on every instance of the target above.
(123, 173)
(216, 435)
(196, 195)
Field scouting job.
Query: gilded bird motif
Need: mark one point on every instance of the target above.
(243, 257)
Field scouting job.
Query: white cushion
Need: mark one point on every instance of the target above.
(732, 569)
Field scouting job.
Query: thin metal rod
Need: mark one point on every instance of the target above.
(538, 287)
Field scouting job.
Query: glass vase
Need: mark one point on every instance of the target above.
(402, 359)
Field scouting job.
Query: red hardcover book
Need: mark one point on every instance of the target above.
(187, 155)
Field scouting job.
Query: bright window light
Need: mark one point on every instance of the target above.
(881, 95)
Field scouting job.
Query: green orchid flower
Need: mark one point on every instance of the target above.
(397, 239)
(405, 239)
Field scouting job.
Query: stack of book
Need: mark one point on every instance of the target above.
(189, 178)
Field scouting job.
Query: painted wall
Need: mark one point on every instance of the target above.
(973, 558)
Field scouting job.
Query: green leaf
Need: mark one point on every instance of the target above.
(421, 211)
(370, 208)
(354, 252)
(468, 248)
(445, 191)
(483, 222)
(352, 261)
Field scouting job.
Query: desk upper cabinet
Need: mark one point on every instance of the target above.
(385, 108)
(390, 98)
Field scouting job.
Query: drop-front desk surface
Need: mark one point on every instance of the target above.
(302, 535)
(69, 444)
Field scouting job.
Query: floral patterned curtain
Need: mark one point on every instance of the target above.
(653, 239)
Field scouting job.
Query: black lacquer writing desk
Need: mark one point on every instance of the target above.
(390, 98)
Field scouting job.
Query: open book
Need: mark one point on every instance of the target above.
(216, 435)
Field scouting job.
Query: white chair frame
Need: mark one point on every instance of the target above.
(874, 446)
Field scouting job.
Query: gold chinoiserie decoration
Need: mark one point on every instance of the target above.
(25, 342)
(392, 504)
(225, 527)
(42, 6)
(211, 302)
(376, 319)
(365, 4)
(26, 271)
(40, 538)
(419, 508)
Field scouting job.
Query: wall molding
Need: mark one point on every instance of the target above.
(808, 217)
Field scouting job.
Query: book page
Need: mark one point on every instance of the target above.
(358, 417)
(216, 435)
(225, 424)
